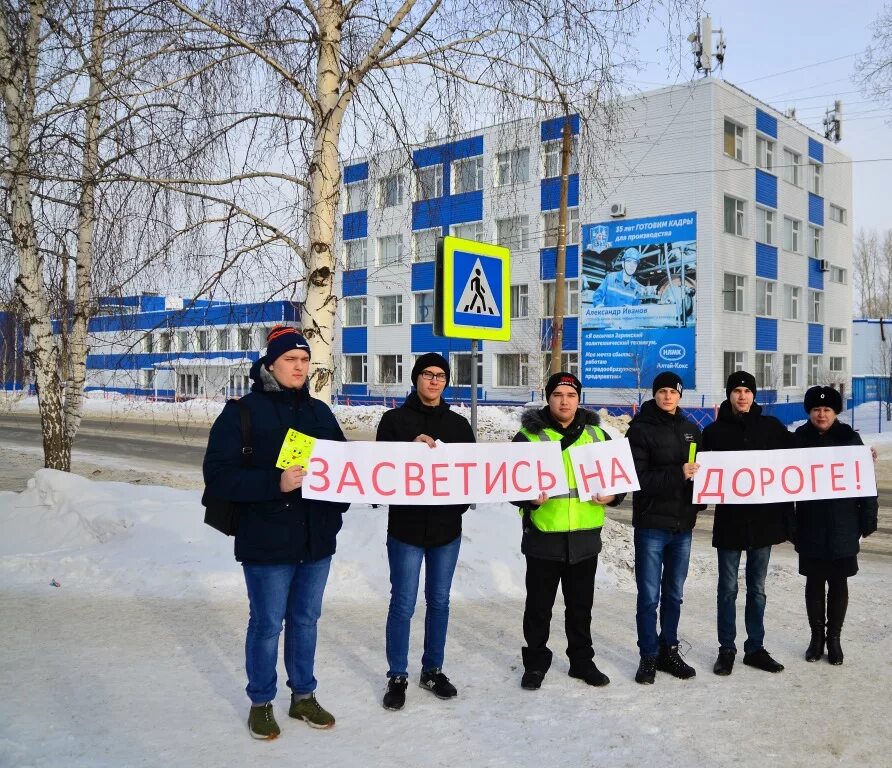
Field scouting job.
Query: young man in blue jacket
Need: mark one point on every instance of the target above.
(284, 542)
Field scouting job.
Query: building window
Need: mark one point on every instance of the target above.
(815, 171)
(815, 307)
(791, 370)
(473, 230)
(389, 369)
(357, 253)
(520, 301)
(147, 378)
(838, 275)
(424, 244)
(222, 339)
(204, 341)
(550, 225)
(792, 296)
(733, 292)
(551, 152)
(792, 161)
(837, 214)
(356, 369)
(734, 210)
(764, 372)
(424, 307)
(355, 311)
(765, 298)
(765, 226)
(460, 367)
(467, 175)
(734, 361)
(512, 370)
(245, 338)
(837, 365)
(166, 340)
(182, 341)
(764, 153)
(733, 140)
(837, 335)
(391, 191)
(148, 344)
(189, 384)
(569, 363)
(815, 237)
(514, 233)
(239, 384)
(390, 250)
(356, 196)
(792, 230)
(814, 370)
(571, 298)
(429, 182)
(390, 310)
(513, 167)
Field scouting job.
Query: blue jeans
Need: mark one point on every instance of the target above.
(291, 593)
(405, 570)
(661, 565)
(754, 613)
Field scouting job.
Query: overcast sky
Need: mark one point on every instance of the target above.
(799, 53)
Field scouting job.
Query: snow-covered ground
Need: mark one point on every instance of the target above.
(136, 657)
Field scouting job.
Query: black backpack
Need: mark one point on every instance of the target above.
(220, 514)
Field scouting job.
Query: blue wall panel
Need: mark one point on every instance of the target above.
(356, 282)
(446, 211)
(190, 317)
(766, 334)
(423, 276)
(766, 123)
(138, 360)
(766, 261)
(446, 153)
(766, 189)
(357, 172)
(570, 342)
(548, 262)
(816, 150)
(355, 340)
(815, 339)
(550, 192)
(553, 129)
(356, 225)
(815, 276)
(427, 214)
(354, 389)
(815, 209)
(423, 340)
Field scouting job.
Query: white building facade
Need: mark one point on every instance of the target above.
(738, 217)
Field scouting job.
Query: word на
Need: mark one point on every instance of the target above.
(763, 477)
(604, 468)
(449, 473)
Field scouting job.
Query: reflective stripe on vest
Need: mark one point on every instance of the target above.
(567, 512)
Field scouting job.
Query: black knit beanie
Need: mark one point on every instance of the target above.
(427, 360)
(667, 379)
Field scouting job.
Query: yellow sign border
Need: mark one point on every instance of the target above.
(455, 330)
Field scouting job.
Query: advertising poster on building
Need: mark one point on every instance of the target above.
(638, 300)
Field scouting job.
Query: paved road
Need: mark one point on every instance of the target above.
(185, 443)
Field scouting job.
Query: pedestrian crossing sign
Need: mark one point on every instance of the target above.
(472, 290)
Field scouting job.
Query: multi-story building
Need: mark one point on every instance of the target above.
(712, 235)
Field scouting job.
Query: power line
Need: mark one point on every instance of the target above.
(799, 69)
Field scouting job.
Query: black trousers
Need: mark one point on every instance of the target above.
(837, 603)
(578, 585)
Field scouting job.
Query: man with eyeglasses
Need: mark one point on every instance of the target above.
(431, 534)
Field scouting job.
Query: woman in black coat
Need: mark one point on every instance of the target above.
(828, 530)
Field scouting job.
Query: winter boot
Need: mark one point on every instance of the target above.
(590, 674)
(262, 722)
(670, 661)
(834, 649)
(647, 670)
(814, 607)
(395, 696)
(724, 664)
(438, 684)
(309, 710)
(532, 680)
(837, 603)
(815, 650)
(761, 659)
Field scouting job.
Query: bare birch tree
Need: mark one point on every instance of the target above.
(874, 67)
(872, 262)
(332, 75)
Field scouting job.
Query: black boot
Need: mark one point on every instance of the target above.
(814, 607)
(834, 650)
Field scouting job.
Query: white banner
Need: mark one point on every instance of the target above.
(449, 473)
(604, 468)
(762, 477)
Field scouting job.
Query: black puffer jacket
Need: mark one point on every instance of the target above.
(831, 528)
(749, 526)
(422, 526)
(660, 444)
(274, 527)
(573, 546)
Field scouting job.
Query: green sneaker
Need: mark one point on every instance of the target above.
(310, 711)
(262, 722)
